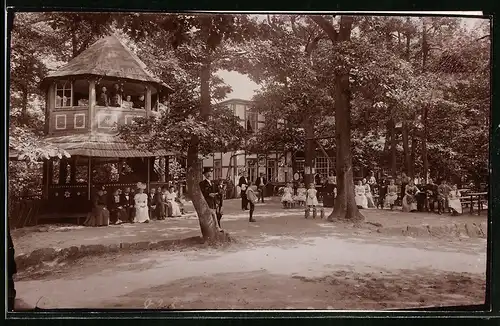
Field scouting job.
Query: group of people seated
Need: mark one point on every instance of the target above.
(134, 206)
(117, 99)
(428, 198)
(302, 197)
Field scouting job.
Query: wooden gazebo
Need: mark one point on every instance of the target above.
(87, 129)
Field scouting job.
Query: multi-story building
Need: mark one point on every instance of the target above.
(276, 165)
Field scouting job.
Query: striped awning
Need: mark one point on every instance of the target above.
(101, 145)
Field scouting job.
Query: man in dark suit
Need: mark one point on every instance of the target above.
(261, 186)
(127, 202)
(243, 184)
(210, 193)
(114, 207)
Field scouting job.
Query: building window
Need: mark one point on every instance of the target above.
(217, 169)
(252, 120)
(323, 166)
(252, 168)
(64, 94)
(300, 165)
(271, 170)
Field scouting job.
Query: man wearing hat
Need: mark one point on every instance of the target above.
(210, 192)
(243, 184)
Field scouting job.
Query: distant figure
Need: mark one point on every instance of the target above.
(152, 203)
(301, 195)
(141, 204)
(371, 180)
(392, 194)
(454, 200)
(368, 194)
(100, 214)
(171, 197)
(252, 199)
(382, 192)
(127, 202)
(115, 208)
(360, 197)
(261, 186)
(209, 191)
(287, 198)
(163, 105)
(103, 97)
(140, 103)
(410, 198)
(431, 190)
(312, 200)
(243, 184)
(443, 192)
(128, 104)
(116, 96)
(404, 183)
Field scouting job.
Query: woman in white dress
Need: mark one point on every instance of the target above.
(171, 197)
(454, 201)
(312, 200)
(287, 198)
(360, 197)
(368, 194)
(301, 194)
(141, 205)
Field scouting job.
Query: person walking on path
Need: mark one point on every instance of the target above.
(243, 184)
(252, 199)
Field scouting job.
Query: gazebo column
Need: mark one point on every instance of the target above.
(92, 101)
(63, 171)
(73, 170)
(46, 179)
(167, 168)
(147, 104)
(148, 164)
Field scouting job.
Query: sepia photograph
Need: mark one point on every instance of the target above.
(239, 161)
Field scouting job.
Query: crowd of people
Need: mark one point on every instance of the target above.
(134, 205)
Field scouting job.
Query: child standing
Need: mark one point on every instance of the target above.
(252, 199)
(312, 200)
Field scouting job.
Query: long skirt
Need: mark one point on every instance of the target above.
(455, 205)
(361, 201)
(369, 199)
(287, 198)
(409, 204)
(175, 209)
(141, 214)
(391, 199)
(98, 217)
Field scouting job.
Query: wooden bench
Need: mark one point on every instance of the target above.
(471, 200)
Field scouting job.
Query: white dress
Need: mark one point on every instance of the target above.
(454, 201)
(369, 197)
(176, 210)
(141, 208)
(287, 195)
(312, 200)
(301, 194)
(360, 196)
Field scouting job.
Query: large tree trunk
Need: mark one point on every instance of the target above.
(309, 152)
(425, 162)
(207, 223)
(345, 205)
(394, 143)
(406, 147)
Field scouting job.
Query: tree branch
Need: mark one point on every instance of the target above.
(483, 37)
(326, 26)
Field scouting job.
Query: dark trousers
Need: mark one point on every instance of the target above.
(442, 205)
(12, 295)
(244, 200)
(261, 193)
(252, 208)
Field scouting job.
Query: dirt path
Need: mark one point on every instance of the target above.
(285, 271)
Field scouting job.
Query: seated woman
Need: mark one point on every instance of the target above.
(103, 99)
(171, 197)
(454, 201)
(100, 214)
(410, 198)
(128, 104)
(287, 198)
(140, 104)
(392, 194)
(360, 197)
(300, 198)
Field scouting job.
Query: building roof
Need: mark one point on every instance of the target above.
(99, 145)
(107, 57)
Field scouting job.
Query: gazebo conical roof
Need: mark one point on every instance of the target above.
(108, 57)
